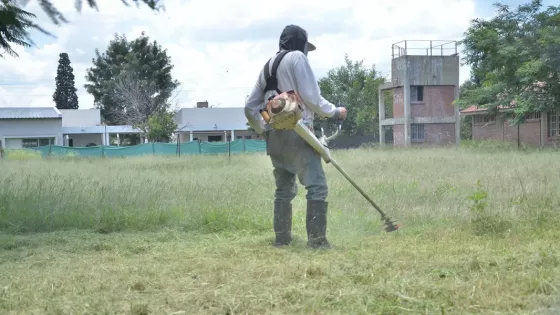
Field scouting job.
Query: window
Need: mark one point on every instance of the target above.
(248, 137)
(482, 119)
(239, 137)
(416, 93)
(554, 123)
(417, 132)
(214, 138)
(36, 142)
(533, 115)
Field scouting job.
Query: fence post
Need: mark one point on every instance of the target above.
(199, 148)
(154, 148)
(229, 149)
(518, 137)
(50, 149)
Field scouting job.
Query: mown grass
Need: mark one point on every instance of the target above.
(192, 236)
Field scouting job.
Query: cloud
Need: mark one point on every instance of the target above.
(218, 47)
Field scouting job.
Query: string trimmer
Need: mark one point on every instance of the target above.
(321, 146)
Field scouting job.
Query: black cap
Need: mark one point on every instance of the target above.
(294, 37)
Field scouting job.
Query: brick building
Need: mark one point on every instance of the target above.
(539, 128)
(425, 82)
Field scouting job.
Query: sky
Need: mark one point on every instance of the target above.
(218, 47)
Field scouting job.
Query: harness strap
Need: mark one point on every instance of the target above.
(270, 76)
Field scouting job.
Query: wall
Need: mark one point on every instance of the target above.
(398, 135)
(185, 137)
(30, 128)
(247, 134)
(398, 102)
(438, 134)
(438, 102)
(80, 117)
(221, 118)
(425, 70)
(82, 140)
(529, 131)
(434, 134)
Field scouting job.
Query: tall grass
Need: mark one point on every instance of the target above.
(479, 235)
(212, 193)
(21, 154)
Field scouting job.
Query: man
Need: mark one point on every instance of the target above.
(289, 153)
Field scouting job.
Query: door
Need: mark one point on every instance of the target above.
(12, 143)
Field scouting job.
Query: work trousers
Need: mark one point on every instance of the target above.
(292, 157)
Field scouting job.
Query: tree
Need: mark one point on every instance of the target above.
(160, 127)
(142, 108)
(65, 94)
(466, 121)
(514, 60)
(15, 22)
(143, 64)
(356, 87)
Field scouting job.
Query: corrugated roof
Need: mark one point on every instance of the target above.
(212, 118)
(29, 112)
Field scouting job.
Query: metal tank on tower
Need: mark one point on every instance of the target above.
(425, 82)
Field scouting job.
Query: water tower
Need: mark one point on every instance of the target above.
(425, 82)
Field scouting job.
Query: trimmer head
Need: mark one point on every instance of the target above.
(390, 226)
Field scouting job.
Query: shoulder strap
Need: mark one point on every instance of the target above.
(270, 76)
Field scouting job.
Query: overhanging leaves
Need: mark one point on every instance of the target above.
(514, 58)
(15, 23)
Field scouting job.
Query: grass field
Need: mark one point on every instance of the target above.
(192, 235)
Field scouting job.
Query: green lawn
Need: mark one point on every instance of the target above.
(192, 235)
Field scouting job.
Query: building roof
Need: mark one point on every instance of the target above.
(100, 129)
(212, 118)
(474, 109)
(29, 113)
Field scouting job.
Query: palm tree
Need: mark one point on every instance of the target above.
(15, 22)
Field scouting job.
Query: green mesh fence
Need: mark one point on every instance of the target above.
(162, 149)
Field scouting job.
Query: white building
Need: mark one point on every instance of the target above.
(213, 124)
(22, 127)
(25, 127)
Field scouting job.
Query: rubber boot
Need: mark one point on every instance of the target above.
(317, 224)
(282, 223)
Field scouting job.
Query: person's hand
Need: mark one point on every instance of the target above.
(341, 113)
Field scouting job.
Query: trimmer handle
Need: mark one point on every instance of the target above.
(335, 134)
(325, 140)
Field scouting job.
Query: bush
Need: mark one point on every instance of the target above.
(21, 154)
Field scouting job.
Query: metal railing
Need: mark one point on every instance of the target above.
(424, 48)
